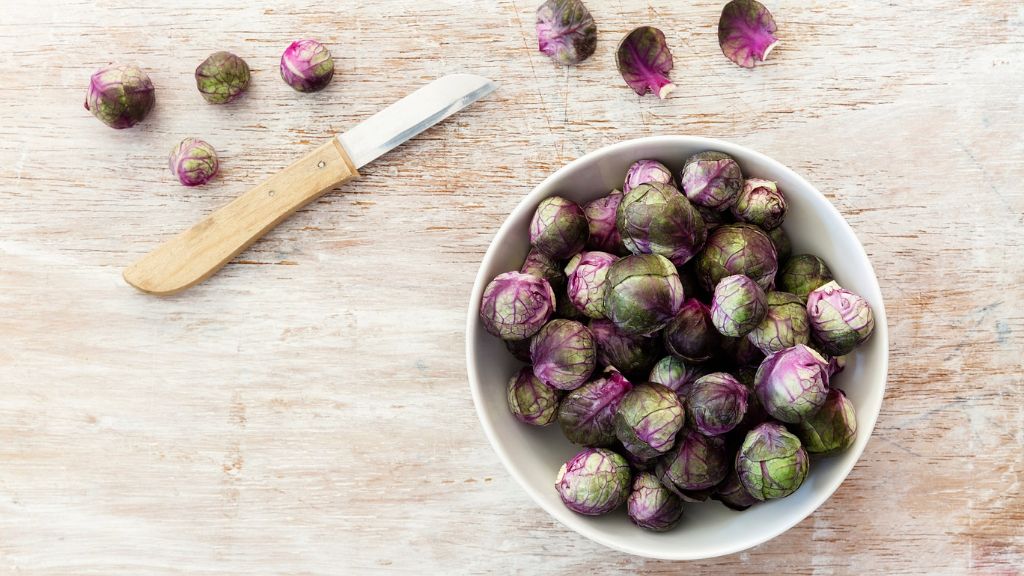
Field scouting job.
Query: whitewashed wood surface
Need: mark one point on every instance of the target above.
(306, 411)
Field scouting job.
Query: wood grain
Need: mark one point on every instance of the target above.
(306, 410)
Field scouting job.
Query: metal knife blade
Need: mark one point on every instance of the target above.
(411, 115)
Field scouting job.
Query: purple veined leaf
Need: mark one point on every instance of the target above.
(746, 32)
(644, 61)
(566, 31)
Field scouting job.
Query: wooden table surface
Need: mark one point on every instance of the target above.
(306, 411)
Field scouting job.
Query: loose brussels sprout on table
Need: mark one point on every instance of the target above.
(120, 95)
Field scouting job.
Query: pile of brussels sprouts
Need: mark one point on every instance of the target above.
(672, 336)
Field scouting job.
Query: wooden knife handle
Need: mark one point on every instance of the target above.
(195, 254)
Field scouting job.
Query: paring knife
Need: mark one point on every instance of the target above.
(195, 254)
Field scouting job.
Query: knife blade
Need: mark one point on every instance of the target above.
(197, 253)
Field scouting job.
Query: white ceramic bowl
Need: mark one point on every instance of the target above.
(533, 455)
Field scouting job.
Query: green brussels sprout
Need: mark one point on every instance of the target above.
(653, 506)
(737, 249)
(648, 419)
(629, 353)
(222, 77)
(792, 384)
(120, 95)
(716, 403)
(530, 400)
(802, 274)
(784, 324)
(771, 463)
(655, 218)
(783, 246)
(676, 375)
(732, 493)
(515, 305)
(542, 266)
(760, 203)
(593, 482)
(643, 293)
(737, 306)
(604, 235)
(587, 414)
(586, 274)
(644, 171)
(840, 320)
(711, 179)
(691, 335)
(564, 354)
(695, 462)
(559, 228)
(831, 429)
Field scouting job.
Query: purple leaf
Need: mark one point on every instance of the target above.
(644, 61)
(566, 31)
(746, 32)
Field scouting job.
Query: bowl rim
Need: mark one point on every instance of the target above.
(528, 202)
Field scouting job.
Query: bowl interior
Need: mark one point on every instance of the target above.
(533, 455)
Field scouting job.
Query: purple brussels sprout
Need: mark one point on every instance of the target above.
(695, 462)
(564, 354)
(655, 218)
(644, 61)
(771, 463)
(840, 320)
(802, 274)
(559, 227)
(792, 384)
(307, 66)
(784, 324)
(628, 353)
(716, 403)
(545, 267)
(530, 400)
(741, 352)
(783, 246)
(600, 213)
(653, 506)
(586, 274)
(120, 95)
(831, 429)
(737, 306)
(222, 77)
(746, 32)
(593, 482)
(648, 419)
(732, 493)
(760, 203)
(193, 162)
(691, 335)
(587, 414)
(676, 375)
(711, 179)
(566, 31)
(520, 349)
(644, 172)
(643, 293)
(737, 249)
(515, 305)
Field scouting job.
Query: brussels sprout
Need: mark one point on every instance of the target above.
(629, 353)
(566, 31)
(648, 419)
(193, 162)
(587, 414)
(783, 247)
(651, 505)
(595, 481)
(711, 179)
(222, 77)
(307, 66)
(515, 305)
(831, 429)
(646, 171)
(737, 249)
(792, 384)
(716, 403)
(784, 325)
(713, 218)
(644, 60)
(520, 349)
(559, 227)
(771, 463)
(760, 203)
(676, 375)
(732, 493)
(746, 32)
(802, 274)
(840, 320)
(695, 462)
(604, 235)
(691, 335)
(737, 306)
(564, 354)
(643, 293)
(741, 352)
(656, 219)
(545, 267)
(120, 95)
(530, 400)
(586, 274)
